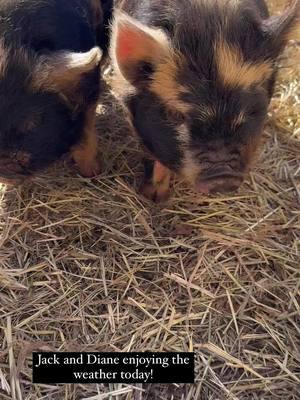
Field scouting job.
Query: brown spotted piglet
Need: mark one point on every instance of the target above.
(49, 84)
(197, 77)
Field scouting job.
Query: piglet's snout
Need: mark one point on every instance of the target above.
(220, 179)
(11, 172)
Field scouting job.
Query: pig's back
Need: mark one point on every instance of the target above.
(47, 25)
(165, 13)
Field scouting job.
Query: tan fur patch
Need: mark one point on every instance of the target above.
(85, 154)
(63, 71)
(191, 170)
(206, 112)
(3, 59)
(238, 120)
(212, 3)
(165, 85)
(158, 189)
(237, 72)
(249, 152)
(293, 11)
(121, 88)
(183, 134)
(294, 32)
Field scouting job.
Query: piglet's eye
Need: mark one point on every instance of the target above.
(176, 117)
(254, 113)
(257, 111)
(30, 123)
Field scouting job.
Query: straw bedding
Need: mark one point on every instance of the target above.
(91, 265)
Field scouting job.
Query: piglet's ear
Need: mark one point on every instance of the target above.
(63, 71)
(136, 49)
(282, 28)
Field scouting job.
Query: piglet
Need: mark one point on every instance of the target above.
(196, 77)
(49, 84)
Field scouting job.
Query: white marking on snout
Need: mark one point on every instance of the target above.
(183, 134)
(3, 59)
(190, 168)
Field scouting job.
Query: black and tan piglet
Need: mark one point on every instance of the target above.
(49, 84)
(197, 77)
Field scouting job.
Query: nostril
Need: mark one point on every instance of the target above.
(221, 171)
(225, 187)
(218, 171)
(220, 184)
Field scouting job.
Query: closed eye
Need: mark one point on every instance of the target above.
(254, 113)
(176, 117)
(30, 123)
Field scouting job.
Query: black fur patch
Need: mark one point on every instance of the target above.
(47, 25)
(224, 75)
(42, 124)
(156, 132)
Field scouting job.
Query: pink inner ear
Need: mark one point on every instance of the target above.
(130, 42)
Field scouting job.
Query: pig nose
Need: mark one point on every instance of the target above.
(220, 179)
(15, 181)
(10, 182)
(12, 178)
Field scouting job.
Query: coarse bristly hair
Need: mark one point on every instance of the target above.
(199, 75)
(49, 80)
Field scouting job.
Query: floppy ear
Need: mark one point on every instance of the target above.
(280, 29)
(136, 49)
(63, 71)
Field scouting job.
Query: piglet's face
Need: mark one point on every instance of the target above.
(40, 107)
(198, 105)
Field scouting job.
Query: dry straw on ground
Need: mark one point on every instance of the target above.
(90, 265)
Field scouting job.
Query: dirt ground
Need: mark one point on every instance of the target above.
(89, 265)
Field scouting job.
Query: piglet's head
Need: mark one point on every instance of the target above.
(198, 90)
(42, 102)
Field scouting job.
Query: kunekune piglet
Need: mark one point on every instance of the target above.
(197, 77)
(49, 84)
